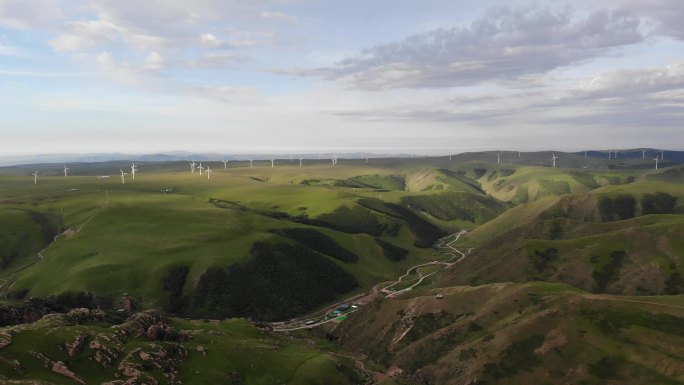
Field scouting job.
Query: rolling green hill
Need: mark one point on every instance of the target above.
(84, 347)
(520, 333)
(573, 272)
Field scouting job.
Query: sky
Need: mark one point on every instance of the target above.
(308, 76)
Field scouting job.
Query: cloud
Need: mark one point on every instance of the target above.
(216, 60)
(504, 44)
(22, 14)
(276, 16)
(643, 98)
(153, 62)
(86, 35)
(226, 94)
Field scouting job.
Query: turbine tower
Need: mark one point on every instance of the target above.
(65, 171)
(553, 159)
(123, 180)
(272, 163)
(200, 168)
(225, 165)
(192, 167)
(251, 163)
(656, 160)
(35, 177)
(498, 158)
(643, 154)
(133, 170)
(208, 172)
(300, 161)
(662, 155)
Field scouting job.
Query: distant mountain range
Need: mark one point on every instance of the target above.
(168, 157)
(676, 156)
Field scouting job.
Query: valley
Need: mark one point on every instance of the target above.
(434, 270)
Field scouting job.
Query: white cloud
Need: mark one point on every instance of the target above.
(504, 44)
(210, 40)
(86, 35)
(23, 14)
(276, 15)
(153, 62)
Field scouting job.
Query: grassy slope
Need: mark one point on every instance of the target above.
(653, 243)
(522, 333)
(128, 245)
(234, 348)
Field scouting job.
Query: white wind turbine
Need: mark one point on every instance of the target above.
(662, 155)
(300, 161)
(35, 177)
(225, 165)
(643, 154)
(123, 180)
(192, 166)
(656, 160)
(133, 170)
(251, 163)
(553, 159)
(272, 163)
(498, 158)
(208, 172)
(65, 171)
(200, 168)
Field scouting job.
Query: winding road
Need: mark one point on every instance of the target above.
(320, 316)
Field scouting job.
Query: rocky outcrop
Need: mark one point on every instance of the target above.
(75, 347)
(60, 368)
(5, 340)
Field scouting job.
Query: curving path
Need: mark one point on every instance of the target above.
(456, 256)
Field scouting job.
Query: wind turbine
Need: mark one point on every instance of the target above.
(662, 155)
(272, 163)
(643, 154)
(615, 154)
(300, 161)
(208, 173)
(192, 167)
(656, 160)
(449, 157)
(225, 165)
(498, 158)
(200, 168)
(553, 158)
(35, 177)
(123, 180)
(65, 171)
(251, 163)
(133, 170)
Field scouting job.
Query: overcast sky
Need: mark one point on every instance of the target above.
(429, 76)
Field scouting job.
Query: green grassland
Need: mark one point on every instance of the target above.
(124, 238)
(226, 352)
(521, 333)
(595, 249)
